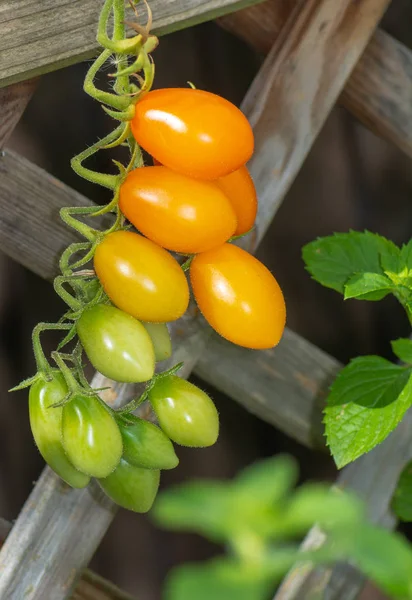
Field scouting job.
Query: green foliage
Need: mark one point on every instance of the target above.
(370, 395)
(361, 265)
(403, 350)
(366, 402)
(402, 499)
(260, 518)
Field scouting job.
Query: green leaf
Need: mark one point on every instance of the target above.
(334, 259)
(403, 350)
(366, 402)
(202, 506)
(385, 557)
(220, 579)
(267, 481)
(368, 286)
(406, 255)
(329, 507)
(402, 498)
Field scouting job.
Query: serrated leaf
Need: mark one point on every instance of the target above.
(403, 349)
(220, 579)
(402, 498)
(406, 255)
(334, 259)
(368, 286)
(366, 402)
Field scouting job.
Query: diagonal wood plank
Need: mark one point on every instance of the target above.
(38, 37)
(283, 112)
(90, 585)
(379, 90)
(13, 101)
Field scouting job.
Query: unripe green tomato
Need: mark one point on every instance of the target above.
(185, 413)
(145, 445)
(46, 426)
(161, 341)
(91, 437)
(132, 487)
(117, 344)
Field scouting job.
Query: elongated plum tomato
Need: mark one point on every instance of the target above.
(145, 445)
(185, 413)
(132, 487)
(177, 212)
(240, 190)
(239, 297)
(162, 344)
(117, 344)
(141, 278)
(46, 426)
(91, 437)
(193, 132)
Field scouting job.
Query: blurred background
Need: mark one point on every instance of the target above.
(351, 179)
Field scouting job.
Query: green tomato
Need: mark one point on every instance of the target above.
(116, 343)
(185, 413)
(91, 437)
(46, 426)
(161, 341)
(132, 487)
(145, 445)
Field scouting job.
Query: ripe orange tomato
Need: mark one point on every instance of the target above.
(177, 212)
(238, 296)
(240, 189)
(141, 278)
(193, 132)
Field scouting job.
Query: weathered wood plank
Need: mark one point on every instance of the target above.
(373, 477)
(13, 101)
(379, 91)
(36, 38)
(297, 86)
(282, 112)
(90, 585)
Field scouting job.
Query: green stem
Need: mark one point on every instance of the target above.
(66, 296)
(42, 363)
(66, 215)
(72, 383)
(121, 46)
(64, 263)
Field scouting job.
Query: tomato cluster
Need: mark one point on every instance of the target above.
(84, 438)
(193, 201)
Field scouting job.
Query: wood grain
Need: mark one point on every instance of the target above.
(90, 585)
(287, 104)
(379, 90)
(36, 38)
(13, 101)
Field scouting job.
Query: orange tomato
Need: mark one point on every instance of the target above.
(239, 297)
(141, 278)
(240, 189)
(179, 213)
(193, 132)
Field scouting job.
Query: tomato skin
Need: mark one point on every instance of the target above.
(162, 344)
(46, 426)
(91, 437)
(145, 445)
(193, 132)
(131, 487)
(240, 190)
(179, 213)
(117, 345)
(185, 413)
(141, 278)
(239, 297)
